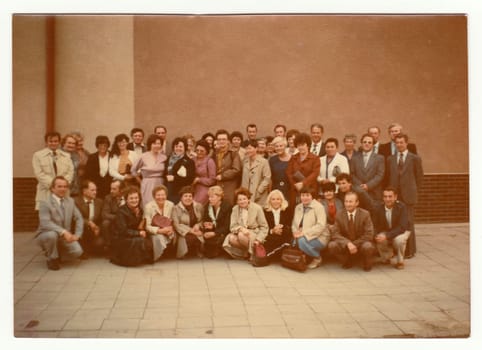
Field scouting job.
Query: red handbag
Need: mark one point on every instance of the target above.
(259, 257)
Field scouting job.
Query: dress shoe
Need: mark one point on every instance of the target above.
(409, 256)
(316, 262)
(400, 266)
(53, 264)
(367, 265)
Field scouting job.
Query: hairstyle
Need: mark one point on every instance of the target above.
(344, 176)
(151, 139)
(51, 134)
(269, 139)
(186, 189)
(133, 189)
(115, 148)
(85, 184)
(332, 139)
(216, 190)
(328, 186)
(180, 140)
(352, 193)
(251, 126)
(303, 138)
(253, 143)
(190, 137)
(308, 189)
(241, 191)
(373, 127)
(159, 188)
(292, 132)
(391, 189)
(158, 127)
(64, 139)
(284, 202)
(206, 135)
(317, 125)
(280, 126)
(279, 139)
(204, 144)
(121, 183)
(134, 130)
(102, 139)
(365, 136)
(77, 135)
(52, 184)
(402, 136)
(262, 139)
(350, 137)
(392, 125)
(222, 132)
(236, 134)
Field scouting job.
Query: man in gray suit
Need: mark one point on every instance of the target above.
(57, 214)
(368, 169)
(405, 173)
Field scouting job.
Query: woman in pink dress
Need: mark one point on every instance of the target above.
(150, 166)
(205, 172)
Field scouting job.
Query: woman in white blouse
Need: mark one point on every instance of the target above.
(121, 160)
(332, 164)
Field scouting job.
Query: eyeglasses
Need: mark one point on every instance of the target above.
(369, 142)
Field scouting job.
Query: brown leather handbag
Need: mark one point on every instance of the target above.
(293, 258)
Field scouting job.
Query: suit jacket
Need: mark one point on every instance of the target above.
(180, 181)
(338, 205)
(372, 175)
(84, 210)
(110, 208)
(52, 219)
(180, 218)
(42, 163)
(320, 151)
(130, 146)
(285, 220)
(309, 167)
(152, 209)
(409, 181)
(256, 178)
(230, 171)
(399, 220)
(92, 172)
(314, 222)
(363, 227)
(386, 149)
(114, 165)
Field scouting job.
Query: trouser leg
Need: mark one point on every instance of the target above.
(311, 248)
(48, 242)
(399, 244)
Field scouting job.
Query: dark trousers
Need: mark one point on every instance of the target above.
(342, 254)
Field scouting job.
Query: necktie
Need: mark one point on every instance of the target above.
(400, 163)
(54, 161)
(375, 148)
(89, 210)
(314, 149)
(62, 209)
(351, 227)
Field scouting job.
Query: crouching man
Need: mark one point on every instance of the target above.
(57, 214)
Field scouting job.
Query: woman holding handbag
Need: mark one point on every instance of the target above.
(158, 215)
(248, 226)
(309, 226)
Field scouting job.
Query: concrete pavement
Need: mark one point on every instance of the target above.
(221, 298)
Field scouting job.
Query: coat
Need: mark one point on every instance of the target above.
(180, 218)
(309, 167)
(409, 181)
(372, 175)
(230, 171)
(184, 172)
(338, 165)
(92, 172)
(51, 218)
(43, 169)
(274, 242)
(314, 222)
(399, 220)
(257, 178)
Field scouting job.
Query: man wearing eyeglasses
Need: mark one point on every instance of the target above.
(368, 169)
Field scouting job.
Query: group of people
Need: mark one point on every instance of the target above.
(224, 195)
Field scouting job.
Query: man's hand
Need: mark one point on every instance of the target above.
(352, 248)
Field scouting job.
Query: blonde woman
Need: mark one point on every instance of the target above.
(279, 223)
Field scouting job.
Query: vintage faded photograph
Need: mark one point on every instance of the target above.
(240, 176)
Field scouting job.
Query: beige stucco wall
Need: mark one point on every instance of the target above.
(29, 91)
(94, 75)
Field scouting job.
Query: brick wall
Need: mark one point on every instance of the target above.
(443, 198)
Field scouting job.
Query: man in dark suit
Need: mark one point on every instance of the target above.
(345, 185)
(137, 145)
(389, 148)
(405, 173)
(390, 221)
(91, 208)
(252, 133)
(317, 144)
(112, 202)
(57, 214)
(352, 234)
(368, 169)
